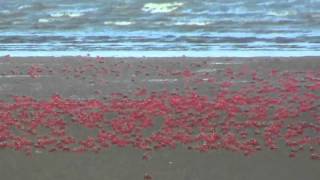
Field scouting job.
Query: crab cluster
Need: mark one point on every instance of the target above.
(246, 111)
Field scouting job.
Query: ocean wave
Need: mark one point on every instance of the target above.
(209, 23)
(315, 15)
(32, 6)
(192, 23)
(161, 7)
(119, 23)
(73, 13)
(24, 7)
(67, 13)
(44, 20)
(6, 12)
(281, 13)
(266, 3)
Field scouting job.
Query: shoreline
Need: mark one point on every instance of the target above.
(151, 54)
(164, 58)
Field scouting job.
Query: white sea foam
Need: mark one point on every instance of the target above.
(266, 3)
(66, 13)
(281, 13)
(44, 20)
(119, 23)
(192, 23)
(73, 13)
(161, 7)
(56, 14)
(24, 7)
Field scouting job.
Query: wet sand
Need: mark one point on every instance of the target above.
(127, 163)
(125, 74)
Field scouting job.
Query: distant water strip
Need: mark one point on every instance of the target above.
(219, 53)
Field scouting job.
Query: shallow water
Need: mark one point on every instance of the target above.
(140, 25)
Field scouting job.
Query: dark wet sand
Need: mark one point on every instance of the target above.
(125, 164)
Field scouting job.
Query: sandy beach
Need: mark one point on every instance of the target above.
(15, 79)
(97, 78)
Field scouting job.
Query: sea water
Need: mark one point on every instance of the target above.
(160, 28)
